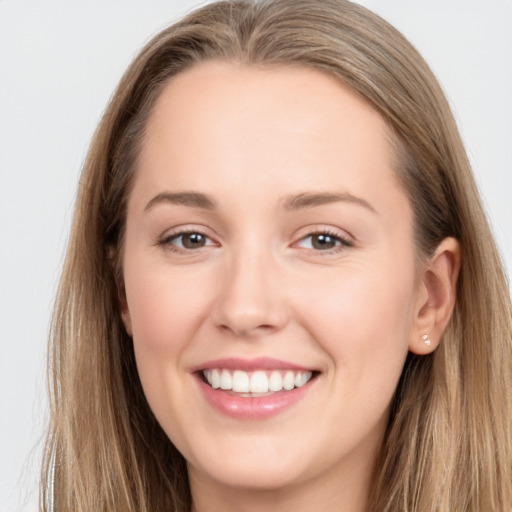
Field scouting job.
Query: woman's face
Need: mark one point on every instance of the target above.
(269, 250)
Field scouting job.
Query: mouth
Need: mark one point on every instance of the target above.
(255, 383)
(254, 389)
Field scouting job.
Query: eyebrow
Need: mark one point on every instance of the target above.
(291, 203)
(309, 200)
(192, 199)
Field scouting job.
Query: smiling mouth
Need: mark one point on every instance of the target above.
(255, 383)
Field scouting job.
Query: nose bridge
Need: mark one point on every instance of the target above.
(251, 298)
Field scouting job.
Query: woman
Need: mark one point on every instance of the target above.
(280, 290)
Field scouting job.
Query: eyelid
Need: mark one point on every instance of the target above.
(165, 239)
(345, 240)
(343, 237)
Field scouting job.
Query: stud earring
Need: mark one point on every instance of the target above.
(426, 340)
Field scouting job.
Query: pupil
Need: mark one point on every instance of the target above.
(323, 242)
(193, 240)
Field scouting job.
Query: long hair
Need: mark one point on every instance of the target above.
(448, 442)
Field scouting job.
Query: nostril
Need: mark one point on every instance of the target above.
(247, 331)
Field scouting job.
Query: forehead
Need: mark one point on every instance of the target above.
(226, 126)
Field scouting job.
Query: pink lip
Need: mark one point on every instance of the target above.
(248, 365)
(251, 408)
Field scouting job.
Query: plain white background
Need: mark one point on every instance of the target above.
(59, 63)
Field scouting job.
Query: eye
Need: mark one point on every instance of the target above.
(188, 240)
(323, 241)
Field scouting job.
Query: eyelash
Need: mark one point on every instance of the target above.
(167, 242)
(341, 242)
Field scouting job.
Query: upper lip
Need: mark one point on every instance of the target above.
(260, 363)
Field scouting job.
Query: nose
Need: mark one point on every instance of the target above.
(251, 300)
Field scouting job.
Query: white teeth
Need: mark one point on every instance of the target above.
(302, 378)
(226, 382)
(260, 381)
(240, 382)
(215, 376)
(305, 379)
(275, 382)
(289, 381)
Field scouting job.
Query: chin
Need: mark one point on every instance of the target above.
(262, 468)
(249, 477)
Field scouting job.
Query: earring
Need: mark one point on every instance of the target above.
(426, 340)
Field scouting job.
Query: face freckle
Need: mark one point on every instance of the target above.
(267, 234)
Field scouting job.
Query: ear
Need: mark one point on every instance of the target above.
(122, 302)
(436, 297)
(125, 312)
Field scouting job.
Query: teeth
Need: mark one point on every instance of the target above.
(289, 381)
(226, 382)
(259, 382)
(275, 382)
(215, 376)
(301, 378)
(239, 381)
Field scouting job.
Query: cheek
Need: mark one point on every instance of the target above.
(164, 308)
(362, 315)
(165, 311)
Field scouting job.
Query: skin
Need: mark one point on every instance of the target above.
(260, 286)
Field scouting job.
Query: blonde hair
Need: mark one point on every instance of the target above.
(448, 446)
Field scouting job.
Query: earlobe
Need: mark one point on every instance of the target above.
(125, 311)
(121, 293)
(127, 321)
(436, 299)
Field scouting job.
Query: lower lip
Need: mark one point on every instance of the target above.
(252, 408)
